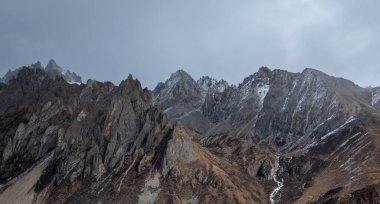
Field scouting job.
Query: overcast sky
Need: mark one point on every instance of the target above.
(107, 40)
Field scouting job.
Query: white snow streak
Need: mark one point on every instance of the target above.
(375, 97)
(261, 93)
(280, 184)
(339, 128)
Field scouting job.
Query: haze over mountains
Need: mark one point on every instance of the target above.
(51, 68)
(277, 137)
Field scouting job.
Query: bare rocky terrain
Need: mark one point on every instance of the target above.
(277, 137)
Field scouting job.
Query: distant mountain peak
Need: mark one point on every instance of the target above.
(52, 69)
(180, 75)
(179, 87)
(11, 74)
(264, 70)
(180, 72)
(264, 73)
(314, 72)
(207, 83)
(52, 65)
(37, 65)
(55, 70)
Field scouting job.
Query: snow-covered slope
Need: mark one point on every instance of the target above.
(207, 83)
(273, 106)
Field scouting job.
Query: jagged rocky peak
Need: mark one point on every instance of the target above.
(52, 69)
(52, 65)
(173, 80)
(180, 97)
(180, 75)
(263, 74)
(11, 74)
(207, 83)
(8, 76)
(37, 65)
(179, 88)
(256, 85)
(55, 70)
(313, 71)
(132, 88)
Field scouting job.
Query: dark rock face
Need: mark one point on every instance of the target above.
(278, 107)
(179, 88)
(89, 129)
(87, 143)
(292, 113)
(278, 137)
(180, 98)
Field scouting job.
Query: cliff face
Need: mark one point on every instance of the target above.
(278, 137)
(321, 127)
(89, 143)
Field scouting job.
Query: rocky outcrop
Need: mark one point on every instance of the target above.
(88, 143)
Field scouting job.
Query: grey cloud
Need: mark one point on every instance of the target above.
(223, 39)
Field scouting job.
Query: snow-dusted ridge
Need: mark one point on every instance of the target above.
(207, 83)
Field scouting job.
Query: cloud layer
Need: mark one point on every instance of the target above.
(223, 39)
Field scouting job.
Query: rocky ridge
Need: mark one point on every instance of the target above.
(278, 137)
(51, 68)
(308, 117)
(104, 143)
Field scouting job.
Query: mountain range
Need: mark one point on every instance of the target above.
(277, 137)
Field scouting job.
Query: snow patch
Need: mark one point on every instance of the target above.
(189, 113)
(350, 119)
(262, 92)
(286, 103)
(376, 97)
(81, 116)
(207, 83)
(280, 184)
(74, 82)
(151, 190)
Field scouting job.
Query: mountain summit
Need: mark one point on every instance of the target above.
(52, 68)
